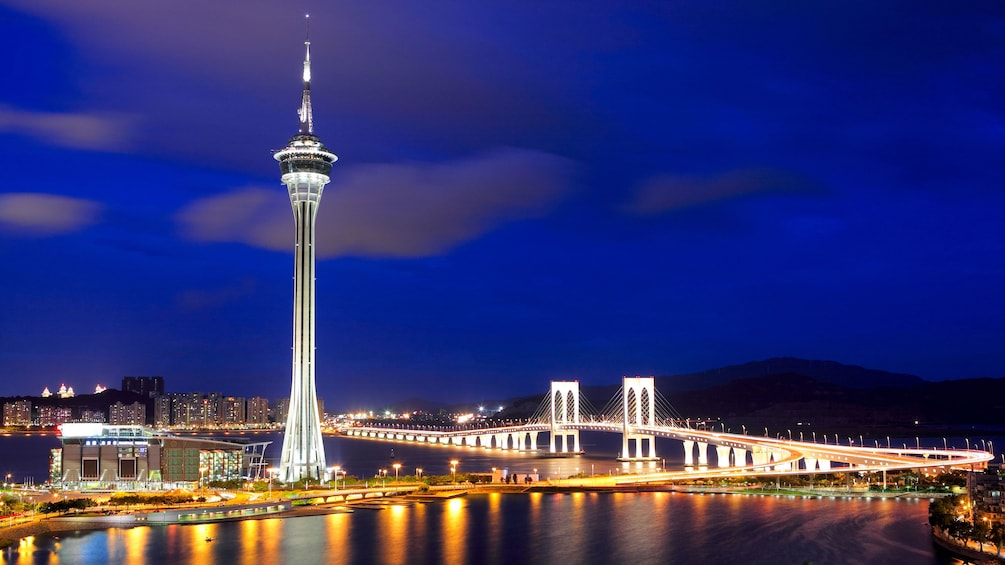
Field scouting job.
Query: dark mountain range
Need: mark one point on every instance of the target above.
(849, 376)
(823, 396)
(791, 401)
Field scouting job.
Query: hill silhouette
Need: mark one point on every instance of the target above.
(809, 396)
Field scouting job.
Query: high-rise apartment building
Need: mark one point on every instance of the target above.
(120, 414)
(148, 387)
(17, 413)
(162, 410)
(233, 410)
(258, 411)
(49, 416)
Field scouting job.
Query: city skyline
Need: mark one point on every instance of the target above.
(533, 193)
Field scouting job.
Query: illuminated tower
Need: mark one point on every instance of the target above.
(305, 164)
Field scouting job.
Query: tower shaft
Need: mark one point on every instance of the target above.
(303, 454)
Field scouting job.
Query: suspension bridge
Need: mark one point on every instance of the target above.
(640, 414)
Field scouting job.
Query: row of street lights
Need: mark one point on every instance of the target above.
(337, 470)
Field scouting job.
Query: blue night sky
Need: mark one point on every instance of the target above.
(525, 191)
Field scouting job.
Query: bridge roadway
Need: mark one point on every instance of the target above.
(768, 456)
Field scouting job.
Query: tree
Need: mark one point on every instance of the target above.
(997, 535)
(942, 512)
(981, 532)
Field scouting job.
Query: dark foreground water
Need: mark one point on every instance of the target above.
(533, 528)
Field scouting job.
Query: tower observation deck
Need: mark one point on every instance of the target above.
(305, 164)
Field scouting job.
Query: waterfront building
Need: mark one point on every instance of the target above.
(986, 493)
(94, 416)
(187, 409)
(17, 413)
(280, 410)
(120, 414)
(162, 411)
(233, 410)
(49, 416)
(257, 411)
(305, 164)
(212, 413)
(100, 456)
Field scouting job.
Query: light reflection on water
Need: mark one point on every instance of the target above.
(532, 528)
(588, 527)
(454, 531)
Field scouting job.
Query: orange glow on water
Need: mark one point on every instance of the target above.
(454, 532)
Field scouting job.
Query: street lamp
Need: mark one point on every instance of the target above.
(272, 475)
(418, 473)
(396, 467)
(453, 470)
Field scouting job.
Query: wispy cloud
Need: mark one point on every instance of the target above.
(393, 210)
(46, 214)
(74, 130)
(671, 192)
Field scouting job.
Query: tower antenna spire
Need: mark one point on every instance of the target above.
(306, 116)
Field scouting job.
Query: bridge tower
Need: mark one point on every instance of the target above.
(639, 407)
(564, 411)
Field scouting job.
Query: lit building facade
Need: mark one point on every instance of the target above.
(258, 410)
(187, 409)
(162, 410)
(120, 414)
(17, 413)
(49, 416)
(100, 456)
(987, 493)
(305, 164)
(93, 416)
(233, 412)
(280, 410)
